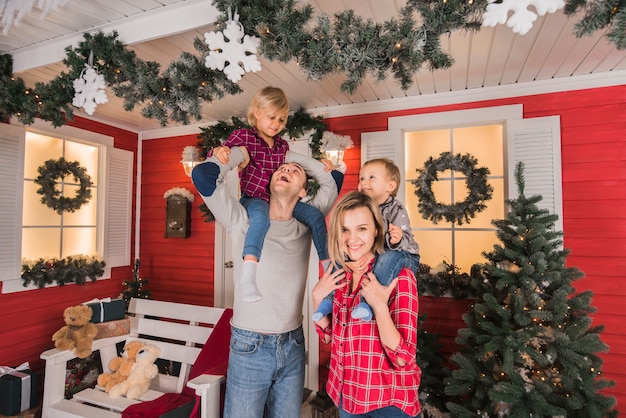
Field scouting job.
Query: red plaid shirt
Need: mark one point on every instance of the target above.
(365, 373)
(255, 178)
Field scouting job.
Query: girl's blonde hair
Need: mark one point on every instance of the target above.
(392, 170)
(351, 201)
(268, 99)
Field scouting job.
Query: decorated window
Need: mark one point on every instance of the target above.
(67, 216)
(473, 154)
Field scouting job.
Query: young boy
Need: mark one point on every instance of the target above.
(380, 179)
(267, 114)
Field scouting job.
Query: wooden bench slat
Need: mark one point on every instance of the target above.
(70, 409)
(102, 399)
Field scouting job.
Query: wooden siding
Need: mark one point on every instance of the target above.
(30, 318)
(179, 269)
(593, 128)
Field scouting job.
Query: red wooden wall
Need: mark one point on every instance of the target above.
(593, 131)
(29, 318)
(179, 269)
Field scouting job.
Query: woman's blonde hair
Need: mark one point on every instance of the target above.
(351, 201)
(268, 99)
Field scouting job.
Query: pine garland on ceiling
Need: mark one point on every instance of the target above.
(345, 43)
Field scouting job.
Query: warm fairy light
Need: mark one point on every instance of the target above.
(398, 45)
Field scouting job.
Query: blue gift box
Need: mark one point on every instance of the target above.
(19, 390)
(107, 310)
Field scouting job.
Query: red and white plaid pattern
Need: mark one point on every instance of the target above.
(363, 371)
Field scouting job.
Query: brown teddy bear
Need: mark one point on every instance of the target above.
(79, 333)
(138, 381)
(120, 366)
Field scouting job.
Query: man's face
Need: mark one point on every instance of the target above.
(289, 179)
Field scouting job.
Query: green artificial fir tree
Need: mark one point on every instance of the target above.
(529, 349)
(429, 358)
(135, 287)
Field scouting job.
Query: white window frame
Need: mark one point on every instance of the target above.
(535, 141)
(114, 213)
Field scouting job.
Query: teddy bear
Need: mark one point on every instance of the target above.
(78, 333)
(120, 366)
(138, 381)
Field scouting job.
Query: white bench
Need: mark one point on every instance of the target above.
(180, 331)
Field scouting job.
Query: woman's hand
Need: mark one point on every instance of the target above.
(375, 293)
(327, 284)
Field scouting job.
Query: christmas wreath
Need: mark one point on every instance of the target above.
(476, 181)
(52, 170)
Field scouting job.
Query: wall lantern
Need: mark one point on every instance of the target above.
(334, 146)
(178, 212)
(191, 158)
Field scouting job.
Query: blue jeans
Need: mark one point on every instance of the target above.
(259, 215)
(389, 264)
(314, 219)
(265, 375)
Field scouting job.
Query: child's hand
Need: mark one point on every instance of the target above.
(395, 234)
(221, 153)
(328, 165)
(358, 266)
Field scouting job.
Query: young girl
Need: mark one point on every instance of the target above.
(268, 113)
(373, 372)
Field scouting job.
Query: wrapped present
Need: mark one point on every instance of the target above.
(106, 309)
(30, 413)
(18, 389)
(113, 328)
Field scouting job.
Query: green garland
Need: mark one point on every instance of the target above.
(71, 269)
(50, 172)
(476, 181)
(347, 44)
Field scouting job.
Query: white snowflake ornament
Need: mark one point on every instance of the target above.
(234, 47)
(521, 21)
(89, 88)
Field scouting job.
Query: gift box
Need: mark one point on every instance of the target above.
(107, 309)
(30, 413)
(19, 389)
(113, 328)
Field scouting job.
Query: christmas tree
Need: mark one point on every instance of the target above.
(529, 349)
(135, 287)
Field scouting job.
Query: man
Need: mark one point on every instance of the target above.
(266, 364)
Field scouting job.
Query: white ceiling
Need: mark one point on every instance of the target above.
(159, 30)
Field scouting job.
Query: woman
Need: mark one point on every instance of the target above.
(373, 372)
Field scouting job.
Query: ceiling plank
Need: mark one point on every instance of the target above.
(158, 23)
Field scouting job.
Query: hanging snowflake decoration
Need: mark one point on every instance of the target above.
(521, 21)
(233, 47)
(89, 88)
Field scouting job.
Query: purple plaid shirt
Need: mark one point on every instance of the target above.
(255, 178)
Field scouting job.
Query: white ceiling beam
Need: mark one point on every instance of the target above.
(158, 23)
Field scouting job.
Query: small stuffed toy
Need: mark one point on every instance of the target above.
(138, 381)
(78, 333)
(120, 366)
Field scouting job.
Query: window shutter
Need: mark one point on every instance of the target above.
(11, 190)
(537, 143)
(119, 168)
(386, 144)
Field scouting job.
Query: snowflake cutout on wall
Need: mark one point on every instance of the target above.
(233, 47)
(522, 19)
(89, 88)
